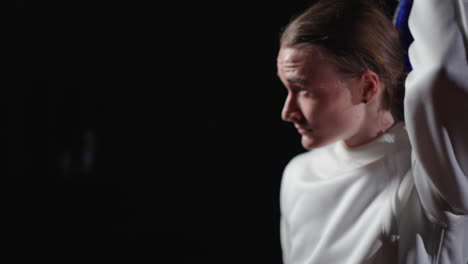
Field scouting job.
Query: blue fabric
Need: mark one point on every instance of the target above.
(401, 22)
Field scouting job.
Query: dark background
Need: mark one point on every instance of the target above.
(146, 131)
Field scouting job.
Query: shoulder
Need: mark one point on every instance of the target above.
(305, 160)
(308, 164)
(297, 162)
(292, 174)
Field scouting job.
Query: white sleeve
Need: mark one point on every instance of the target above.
(436, 105)
(284, 240)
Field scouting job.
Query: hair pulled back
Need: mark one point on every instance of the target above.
(355, 36)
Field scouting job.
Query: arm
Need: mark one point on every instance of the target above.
(284, 239)
(436, 105)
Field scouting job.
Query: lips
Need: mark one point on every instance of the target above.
(303, 130)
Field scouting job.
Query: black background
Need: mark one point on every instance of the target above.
(146, 131)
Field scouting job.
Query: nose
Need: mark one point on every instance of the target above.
(291, 112)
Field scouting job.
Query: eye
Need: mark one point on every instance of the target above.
(302, 89)
(306, 91)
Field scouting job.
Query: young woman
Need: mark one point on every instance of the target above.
(376, 186)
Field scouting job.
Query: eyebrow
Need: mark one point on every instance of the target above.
(293, 80)
(296, 80)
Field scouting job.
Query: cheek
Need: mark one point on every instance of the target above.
(310, 108)
(351, 118)
(340, 109)
(334, 110)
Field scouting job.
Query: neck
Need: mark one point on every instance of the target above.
(372, 129)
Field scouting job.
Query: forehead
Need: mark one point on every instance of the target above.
(298, 60)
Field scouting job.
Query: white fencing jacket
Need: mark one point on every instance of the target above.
(402, 198)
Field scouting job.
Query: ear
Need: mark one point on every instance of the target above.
(371, 86)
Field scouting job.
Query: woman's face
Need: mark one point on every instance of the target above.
(323, 105)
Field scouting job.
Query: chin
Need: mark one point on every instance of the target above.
(310, 143)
